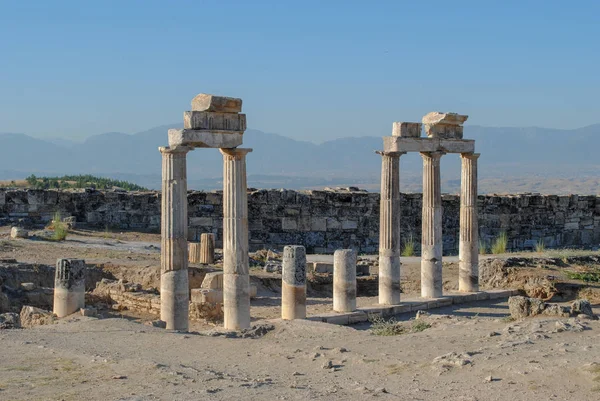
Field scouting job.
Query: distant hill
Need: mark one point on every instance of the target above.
(512, 160)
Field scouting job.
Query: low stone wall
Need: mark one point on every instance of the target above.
(323, 221)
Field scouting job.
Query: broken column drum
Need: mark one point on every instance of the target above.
(444, 134)
(174, 287)
(344, 280)
(207, 248)
(293, 286)
(69, 286)
(213, 122)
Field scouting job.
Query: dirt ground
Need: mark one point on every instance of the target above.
(470, 352)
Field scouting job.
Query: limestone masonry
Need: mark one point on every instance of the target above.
(323, 221)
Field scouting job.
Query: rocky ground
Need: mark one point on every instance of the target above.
(470, 352)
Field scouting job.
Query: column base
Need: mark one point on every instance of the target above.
(236, 301)
(175, 299)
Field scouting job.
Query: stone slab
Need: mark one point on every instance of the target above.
(402, 144)
(205, 139)
(406, 130)
(223, 104)
(208, 120)
(409, 306)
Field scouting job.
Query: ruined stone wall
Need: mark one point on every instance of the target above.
(323, 221)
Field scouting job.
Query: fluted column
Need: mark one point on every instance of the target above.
(174, 289)
(468, 251)
(207, 248)
(69, 286)
(389, 229)
(431, 235)
(236, 281)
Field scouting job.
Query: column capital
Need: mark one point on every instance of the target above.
(174, 150)
(390, 154)
(472, 156)
(434, 155)
(235, 153)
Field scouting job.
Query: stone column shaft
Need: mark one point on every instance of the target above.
(194, 252)
(174, 289)
(69, 286)
(431, 237)
(236, 280)
(389, 229)
(468, 274)
(207, 248)
(344, 280)
(293, 286)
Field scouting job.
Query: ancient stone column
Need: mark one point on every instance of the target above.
(293, 286)
(236, 280)
(389, 229)
(431, 237)
(468, 251)
(69, 286)
(174, 289)
(207, 248)
(344, 280)
(194, 252)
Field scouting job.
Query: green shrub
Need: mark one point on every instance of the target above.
(483, 250)
(500, 243)
(419, 325)
(540, 246)
(382, 327)
(60, 228)
(409, 247)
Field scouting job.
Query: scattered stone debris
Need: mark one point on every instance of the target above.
(32, 316)
(255, 331)
(18, 232)
(453, 359)
(89, 311)
(521, 307)
(10, 320)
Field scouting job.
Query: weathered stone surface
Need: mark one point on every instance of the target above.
(10, 320)
(204, 139)
(31, 316)
(223, 104)
(207, 248)
(444, 125)
(344, 280)
(560, 221)
(213, 280)
(406, 130)
(69, 286)
(402, 144)
(293, 290)
(583, 307)
(18, 232)
(207, 120)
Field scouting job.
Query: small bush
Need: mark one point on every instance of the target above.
(419, 325)
(482, 248)
(590, 277)
(60, 228)
(409, 247)
(382, 327)
(500, 243)
(540, 246)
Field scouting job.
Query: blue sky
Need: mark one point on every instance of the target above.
(312, 70)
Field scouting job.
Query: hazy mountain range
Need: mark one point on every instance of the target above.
(512, 160)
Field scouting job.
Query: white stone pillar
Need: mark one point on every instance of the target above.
(389, 229)
(468, 251)
(207, 248)
(174, 288)
(236, 280)
(293, 286)
(431, 234)
(69, 286)
(344, 280)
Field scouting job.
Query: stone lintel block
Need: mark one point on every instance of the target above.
(223, 104)
(213, 280)
(210, 120)
(205, 295)
(398, 309)
(406, 130)
(205, 139)
(401, 144)
(323, 267)
(334, 318)
(498, 294)
(444, 125)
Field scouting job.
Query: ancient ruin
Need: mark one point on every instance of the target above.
(213, 122)
(69, 286)
(444, 135)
